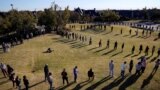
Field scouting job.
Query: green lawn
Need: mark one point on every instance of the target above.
(29, 57)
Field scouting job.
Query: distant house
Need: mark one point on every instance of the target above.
(87, 12)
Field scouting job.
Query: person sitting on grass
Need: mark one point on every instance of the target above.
(49, 50)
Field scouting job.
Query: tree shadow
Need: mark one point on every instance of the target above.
(115, 83)
(153, 59)
(92, 48)
(108, 52)
(131, 80)
(127, 55)
(117, 53)
(62, 88)
(81, 84)
(3, 82)
(149, 78)
(36, 84)
(98, 83)
(125, 35)
(99, 50)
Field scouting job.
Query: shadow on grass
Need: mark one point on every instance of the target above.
(149, 78)
(99, 50)
(117, 53)
(81, 84)
(106, 33)
(131, 80)
(2, 77)
(3, 82)
(155, 39)
(92, 48)
(98, 83)
(80, 45)
(125, 35)
(62, 88)
(133, 36)
(116, 34)
(127, 55)
(115, 83)
(153, 59)
(36, 84)
(136, 55)
(108, 52)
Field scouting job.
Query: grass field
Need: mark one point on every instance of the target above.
(29, 57)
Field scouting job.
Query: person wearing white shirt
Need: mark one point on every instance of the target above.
(123, 67)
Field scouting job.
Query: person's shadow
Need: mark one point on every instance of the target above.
(81, 84)
(62, 88)
(131, 80)
(115, 83)
(98, 83)
(149, 78)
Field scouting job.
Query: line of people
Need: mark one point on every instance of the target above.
(8, 72)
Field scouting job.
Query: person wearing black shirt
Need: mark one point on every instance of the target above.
(64, 76)
(90, 74)
(26, 82)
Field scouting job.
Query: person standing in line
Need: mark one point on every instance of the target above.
(157, 63)
(158, 52)
(100, 43)
(121, 31)
(111, 68)
(90, 74)
(108, 41)
(133, 49)
(46, 72)
(3, 69)
(131, 66)
(18, 82)
(115, 45)
(138, 68)
(50, 81)
(130, 31)
(123, 67)
(26, 82)
(9, 70)
(12, 78)
(146, 50)
(153, 50)
(90, 41)
(143, 64)
(122, 46)
(64, 76)
(75, 72)
(140, 48)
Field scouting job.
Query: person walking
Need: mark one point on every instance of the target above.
(131, 66)
(111, 68)
(26, 82)
(64, 76)
(75, 72)
(46, 72)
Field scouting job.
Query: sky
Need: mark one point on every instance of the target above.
(84, 4)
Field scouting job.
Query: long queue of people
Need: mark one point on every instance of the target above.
(140, 67)
(83, 38)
